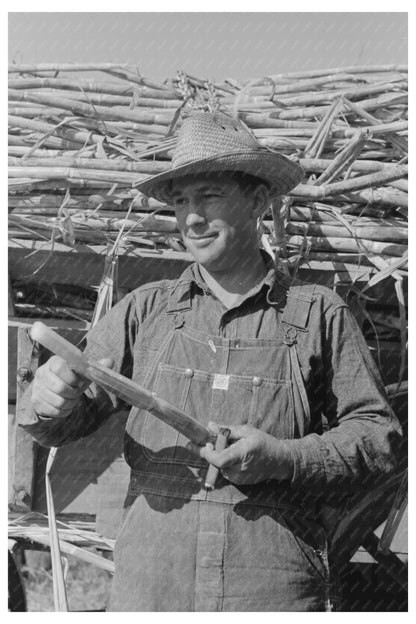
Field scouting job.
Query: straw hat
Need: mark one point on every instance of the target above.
(217, 142)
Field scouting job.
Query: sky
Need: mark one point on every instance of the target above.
(214, 45)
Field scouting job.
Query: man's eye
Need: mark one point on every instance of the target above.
(180, 201)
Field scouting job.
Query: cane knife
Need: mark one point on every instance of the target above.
(132, 393)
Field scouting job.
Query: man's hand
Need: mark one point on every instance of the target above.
(56, 389)
(252, 456)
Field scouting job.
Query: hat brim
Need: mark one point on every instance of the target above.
(278, 172)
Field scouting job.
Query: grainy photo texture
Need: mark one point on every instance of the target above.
(208, 312)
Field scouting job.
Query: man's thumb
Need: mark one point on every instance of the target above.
(107, 362)
(239, 431)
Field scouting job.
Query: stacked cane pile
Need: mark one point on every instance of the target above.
(78, 145)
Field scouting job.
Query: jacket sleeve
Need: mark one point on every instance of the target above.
(363, 442)
(113, 337)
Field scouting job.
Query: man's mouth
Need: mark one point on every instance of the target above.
(202, 238)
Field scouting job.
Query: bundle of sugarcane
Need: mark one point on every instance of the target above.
(78, 146)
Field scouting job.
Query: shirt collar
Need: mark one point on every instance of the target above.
(275, 285)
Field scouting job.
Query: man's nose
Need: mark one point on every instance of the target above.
(195, 216)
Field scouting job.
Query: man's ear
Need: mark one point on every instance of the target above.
(261, 200)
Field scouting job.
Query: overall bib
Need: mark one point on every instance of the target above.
(236, 548)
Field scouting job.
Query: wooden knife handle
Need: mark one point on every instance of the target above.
(220, 444)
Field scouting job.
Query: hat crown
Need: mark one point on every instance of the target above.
(206, 135)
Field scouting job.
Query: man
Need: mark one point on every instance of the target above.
(232, 343)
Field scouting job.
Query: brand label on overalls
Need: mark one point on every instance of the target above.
(221, 382)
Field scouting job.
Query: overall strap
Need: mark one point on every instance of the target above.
(295, 320)
(298, 305)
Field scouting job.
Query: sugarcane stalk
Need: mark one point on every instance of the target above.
(116, 202)
(143, 166)
(312, 99)
(348, 258)
(382, 195)
(72, 173)
(348, 244)
(343, 159)
(53, 142)
(77, 137)
(401, 185)
(41, 184)
(28, 68)
(127, 128)
(145, 223)
(396, 140)
(353, 184)
(121, 386)
(20, 151)
(311, 83)
(376, 233)
(108, 99)
(351, 69)
(92, 86)
(318, 165)
(311, 112)
(115, 113)
(324, 213)
(316, 145)
(126, 74)
(32, 111)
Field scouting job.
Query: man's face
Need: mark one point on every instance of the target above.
(217, 220)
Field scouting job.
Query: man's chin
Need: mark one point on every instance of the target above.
(207, 259)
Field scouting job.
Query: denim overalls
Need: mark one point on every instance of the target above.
(236, 548)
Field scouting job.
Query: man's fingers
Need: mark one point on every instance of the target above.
(61, 371)
(221, 459)
(60, 368)
(214, 427)
(198, 450)
(47, 403)
(56, 385)
(57, 401)
(236, 431)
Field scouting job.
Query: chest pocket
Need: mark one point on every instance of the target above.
(256, 389)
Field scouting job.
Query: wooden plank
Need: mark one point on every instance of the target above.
(62, 325)
(86, 269)
(89, 476)
(23, 461)
(111, 493)
(10, 301)
(80, 473)
(12, 363)
(11, 430)
(390, 562)
(59, 324)
(24, 448)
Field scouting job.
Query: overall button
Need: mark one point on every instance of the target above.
(189, 372)
(257, 381)
(178, 320)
